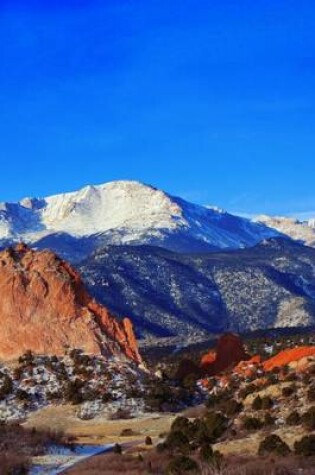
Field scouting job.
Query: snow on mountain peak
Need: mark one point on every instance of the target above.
(128, 212)
(299, 230)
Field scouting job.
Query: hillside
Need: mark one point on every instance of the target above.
(189, 295)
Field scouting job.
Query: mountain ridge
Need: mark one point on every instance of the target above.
(126, 212)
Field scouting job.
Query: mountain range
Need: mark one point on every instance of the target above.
(169, 294)
(124, 212)
(128, 212)
(177, 269)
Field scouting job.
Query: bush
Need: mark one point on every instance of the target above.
(308, 419)
(206, 453)
(252, 423)
(181, 464)
(269, 420)
(262, 403)
(288, 391)
(73, 391)
(231, 407)
(311, 394)
(7, 386)
(117, 449)
(266, 403)
(216, 424)
(22, 395)
(257, 403)
(305, 446)
(177, 441)
(273, 444)
(293, 419)
(27, 358)
(182, 424)
(161, 447)
(127, 433)
(244, 392)
(148, 440)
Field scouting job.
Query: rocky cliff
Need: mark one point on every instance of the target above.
(45, 308)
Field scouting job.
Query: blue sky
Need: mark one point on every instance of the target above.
(212, 100)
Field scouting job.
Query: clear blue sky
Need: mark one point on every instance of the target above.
(213, 100)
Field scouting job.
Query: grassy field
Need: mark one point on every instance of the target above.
(99, 430)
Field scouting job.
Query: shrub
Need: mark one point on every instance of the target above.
(293, 419)
(22, 395)
(161, 447)
(120, 414)
(266, 403)
(288, 391)
(269, 420)
(244, 392)
(177, 441)
(291, 377)
(117, 449)
(7, 386)
(206, 453)
(27, 358)
(308, 419)
(305, 446)
(127, 433)
(257, 403)
(18, 373)
(251, 423)
(273, 444)
(148, 440)
(311, 394)
(183, 425)
(231, 407)
(181, 464)
(73, 391)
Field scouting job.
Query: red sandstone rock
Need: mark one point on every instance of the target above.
(208, 358)
(230, 351)
(286, 357)
(249, 367)
(45, 308)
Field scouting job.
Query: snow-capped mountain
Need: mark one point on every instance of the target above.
(124, 212)
(303, 231)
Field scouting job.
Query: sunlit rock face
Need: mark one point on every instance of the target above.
(45, 308)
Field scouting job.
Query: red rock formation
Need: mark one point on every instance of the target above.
(208, 358)
(230, 351)
(45, 308)
(249, 367)
(286, 357)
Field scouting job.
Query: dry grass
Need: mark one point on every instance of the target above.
(99, 430)
(113, 464)
(263, 466)
(18, 445)
(155, 464)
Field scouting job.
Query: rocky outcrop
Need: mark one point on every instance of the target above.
(287, 357)
(229, 351)
(45, 308)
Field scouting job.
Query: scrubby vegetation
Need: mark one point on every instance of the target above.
(18, 445)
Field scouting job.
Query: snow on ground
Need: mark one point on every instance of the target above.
(60, 458)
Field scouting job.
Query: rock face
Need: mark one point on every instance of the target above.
(230, 351)
(287, 357)
(45, 308)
